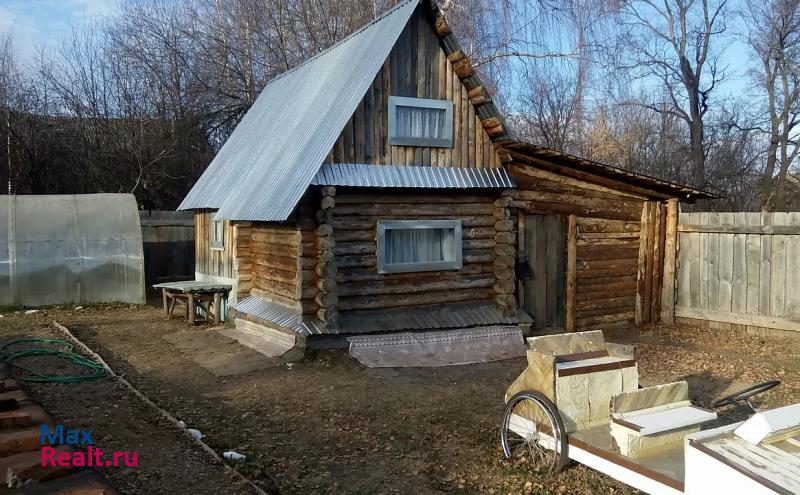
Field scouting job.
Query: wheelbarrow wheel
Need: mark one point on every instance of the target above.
(533, 433)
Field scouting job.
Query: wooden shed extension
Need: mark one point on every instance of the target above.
(616, 224)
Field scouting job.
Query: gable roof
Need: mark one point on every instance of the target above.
(271, 157)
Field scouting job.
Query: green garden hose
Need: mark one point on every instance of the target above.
(10, 357)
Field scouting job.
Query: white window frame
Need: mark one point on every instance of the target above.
(385, 267)
(402, 101)
(214, 242)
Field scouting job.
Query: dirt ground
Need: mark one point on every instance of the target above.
(329, 425)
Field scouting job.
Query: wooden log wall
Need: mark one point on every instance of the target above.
(418, 67)
(354, 223)
(327, 299)
(213, 262)
(607, 254)
(243, 258)
(276, 270)
(541, 191)
(602, 266)
(505, 251)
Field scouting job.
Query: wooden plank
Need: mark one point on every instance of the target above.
(572, 238)
(765, 267)
(641, 275)
(779, 266)
(649, 270)
(753, 254)
(777, 322)
(683, 271)
(538, 244)
(725, 264)
(712, 263)
(741, 229)
(792, 305)
(555, 271)
(465, 141)
(739, 289)
(703, 259)
(659, 257)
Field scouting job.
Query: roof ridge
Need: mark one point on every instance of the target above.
(341, 41)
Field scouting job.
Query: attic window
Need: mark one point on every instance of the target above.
(420, 122)
(217, 234)
(419, 245)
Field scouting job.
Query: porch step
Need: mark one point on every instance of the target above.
(267, 341)
(438, 348)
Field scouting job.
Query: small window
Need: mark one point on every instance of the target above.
(217, 234)
(420, 122)
(418, 245)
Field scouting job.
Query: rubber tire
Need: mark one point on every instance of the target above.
(551, 410)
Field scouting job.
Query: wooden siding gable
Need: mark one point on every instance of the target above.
(419, 67)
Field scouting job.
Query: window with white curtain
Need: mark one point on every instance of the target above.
(217, 234)
(419, 245)
(420, 122)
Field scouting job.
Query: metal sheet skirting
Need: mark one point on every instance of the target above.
(438, 348)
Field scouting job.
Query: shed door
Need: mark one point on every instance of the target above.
(546, 251)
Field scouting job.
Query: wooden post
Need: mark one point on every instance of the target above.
(217, 307)
(668, 277)
(641, 272)
(520, 255)
(572, 257)
(191, 309)
(166, 302)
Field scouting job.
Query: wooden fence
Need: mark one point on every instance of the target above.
(739, 269)
(168, 242)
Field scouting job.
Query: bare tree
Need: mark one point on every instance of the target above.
(674, 43)
(774, 36)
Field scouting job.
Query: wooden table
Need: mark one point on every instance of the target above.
(194, 294)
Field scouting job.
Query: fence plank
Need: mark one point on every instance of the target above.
(725, 264)
(712, 266)
(704, 239)
(739, 289)
(778, 277)
(792, 307)
(781, 323)
(684, 270)
(753, 242)
(765, 269)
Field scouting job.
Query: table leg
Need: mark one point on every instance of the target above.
(166, 303)
(217, 308)
(191, 308)
(172, 302)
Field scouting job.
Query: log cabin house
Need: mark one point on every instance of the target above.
(375, 188)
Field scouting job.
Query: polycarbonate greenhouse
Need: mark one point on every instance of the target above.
(62, 249)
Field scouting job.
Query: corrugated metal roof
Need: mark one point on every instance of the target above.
(273, 154)
(361, 175)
